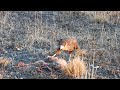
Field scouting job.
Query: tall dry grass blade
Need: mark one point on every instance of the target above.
(75, 68)
(4, 61)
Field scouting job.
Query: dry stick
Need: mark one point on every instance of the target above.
(1, 27)
(46, 23)
(89, 61)
(53, 36)
(41, 27)
(116, 39)
(116, 43)
(71, 22)
(93, 65)
(41, 23)
(5, 17)
(93, 59)
(89, 70)
(85, 76)
(35, 28)
(30, 37)
(102, 34)
(109, 47)
(66, 26)
(82, 56)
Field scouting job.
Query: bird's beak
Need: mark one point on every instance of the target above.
(54, 55)
(61, 47)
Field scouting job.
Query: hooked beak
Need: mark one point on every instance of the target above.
(61, 47)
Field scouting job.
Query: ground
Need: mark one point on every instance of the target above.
(28, 37)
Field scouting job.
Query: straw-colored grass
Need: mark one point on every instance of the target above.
(1, 76)
(75, 68)
(4, 61)
(104, 15)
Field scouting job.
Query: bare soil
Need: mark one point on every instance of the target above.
(28, 37)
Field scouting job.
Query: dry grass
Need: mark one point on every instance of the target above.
(103, 16)
(4, 61)
(81, 52)
(1, 76)
(38, 31)
(75, 68)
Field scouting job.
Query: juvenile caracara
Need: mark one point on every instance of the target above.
(69, 45)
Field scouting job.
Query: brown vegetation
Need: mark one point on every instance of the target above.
(4, 61)
(76, 68)
(70, 45)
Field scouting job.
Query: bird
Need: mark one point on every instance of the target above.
(69, 45)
